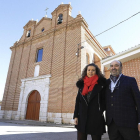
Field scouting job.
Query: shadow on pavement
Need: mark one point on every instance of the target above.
(44, 136)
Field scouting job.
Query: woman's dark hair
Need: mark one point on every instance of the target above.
(98, 72)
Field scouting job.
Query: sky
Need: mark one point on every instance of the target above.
(99, 14)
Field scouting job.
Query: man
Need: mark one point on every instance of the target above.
(122, 105)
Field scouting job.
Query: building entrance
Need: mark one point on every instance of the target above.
(33, 106)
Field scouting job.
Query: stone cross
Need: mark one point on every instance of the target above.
(46, 10)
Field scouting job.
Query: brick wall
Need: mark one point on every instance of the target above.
(43, 23)
(22, 72)
(71, 69)
(62, 88)
(59, 43)
(130, 68)
(5, 96)
(59, 60)
(12, 81)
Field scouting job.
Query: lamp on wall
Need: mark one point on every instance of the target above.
(77, 53)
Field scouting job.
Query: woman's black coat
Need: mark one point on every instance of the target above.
(90, 115)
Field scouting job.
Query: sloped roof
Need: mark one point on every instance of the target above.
(44, 18)
(62, 6)
(30, 23)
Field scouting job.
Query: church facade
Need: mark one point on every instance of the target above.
(46, 63)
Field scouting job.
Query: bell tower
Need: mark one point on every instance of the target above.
(60, 14)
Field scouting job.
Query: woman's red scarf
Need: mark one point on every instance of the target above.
(89, 82)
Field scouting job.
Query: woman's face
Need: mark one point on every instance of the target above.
(91, 71)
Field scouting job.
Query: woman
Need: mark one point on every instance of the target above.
(89, 107)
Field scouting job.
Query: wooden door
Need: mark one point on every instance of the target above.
(33, 106)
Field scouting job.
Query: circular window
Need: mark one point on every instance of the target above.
(42, 29)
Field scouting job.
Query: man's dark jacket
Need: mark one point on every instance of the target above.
(123, 105)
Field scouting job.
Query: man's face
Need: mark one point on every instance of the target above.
(115, 68)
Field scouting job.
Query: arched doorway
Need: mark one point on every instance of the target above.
(33, 106)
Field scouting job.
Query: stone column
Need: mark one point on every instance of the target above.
(44, 102)
(58, 118)
(1, 114)
(8, 115)
(18, 116)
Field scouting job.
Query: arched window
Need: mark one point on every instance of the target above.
(28, 33)
(87, 59)
(60, 19)
(39, 55)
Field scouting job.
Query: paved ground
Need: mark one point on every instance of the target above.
(35, 130)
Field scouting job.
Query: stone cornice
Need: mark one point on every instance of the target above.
(30, 23)
(36, 78)
(15, 44)
(44, 18)
(94, 42)
(88, 32)
(124, 56)
(78, 21)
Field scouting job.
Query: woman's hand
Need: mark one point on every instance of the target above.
(76, 121)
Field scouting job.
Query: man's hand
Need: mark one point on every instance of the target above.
(139, 127)
(76, 121)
